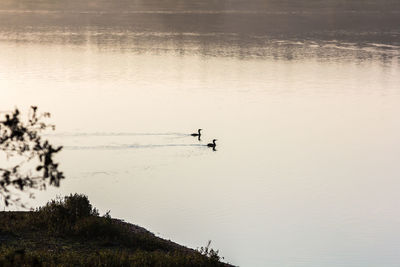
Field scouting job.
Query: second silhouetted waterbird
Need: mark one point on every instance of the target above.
(213, 144)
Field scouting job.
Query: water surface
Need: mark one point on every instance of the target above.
(306, 170)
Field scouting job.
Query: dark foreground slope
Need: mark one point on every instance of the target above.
(69, 232)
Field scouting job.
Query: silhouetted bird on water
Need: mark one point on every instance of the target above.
(213, 144)
(198, 134)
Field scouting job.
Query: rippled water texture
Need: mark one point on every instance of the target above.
(303, 97)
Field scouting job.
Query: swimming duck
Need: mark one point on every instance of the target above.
(198, 134)
(213, 144)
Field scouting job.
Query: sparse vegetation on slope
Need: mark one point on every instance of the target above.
(70, 232)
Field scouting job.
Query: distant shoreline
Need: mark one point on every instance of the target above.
(368, 21)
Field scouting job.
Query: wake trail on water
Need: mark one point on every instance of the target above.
(129, 146)
(115, 134)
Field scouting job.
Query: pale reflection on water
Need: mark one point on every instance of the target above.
(241, 46)
(306, 170)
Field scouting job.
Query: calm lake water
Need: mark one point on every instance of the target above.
(305, 110)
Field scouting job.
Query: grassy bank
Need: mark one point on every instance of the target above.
(70, 232)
